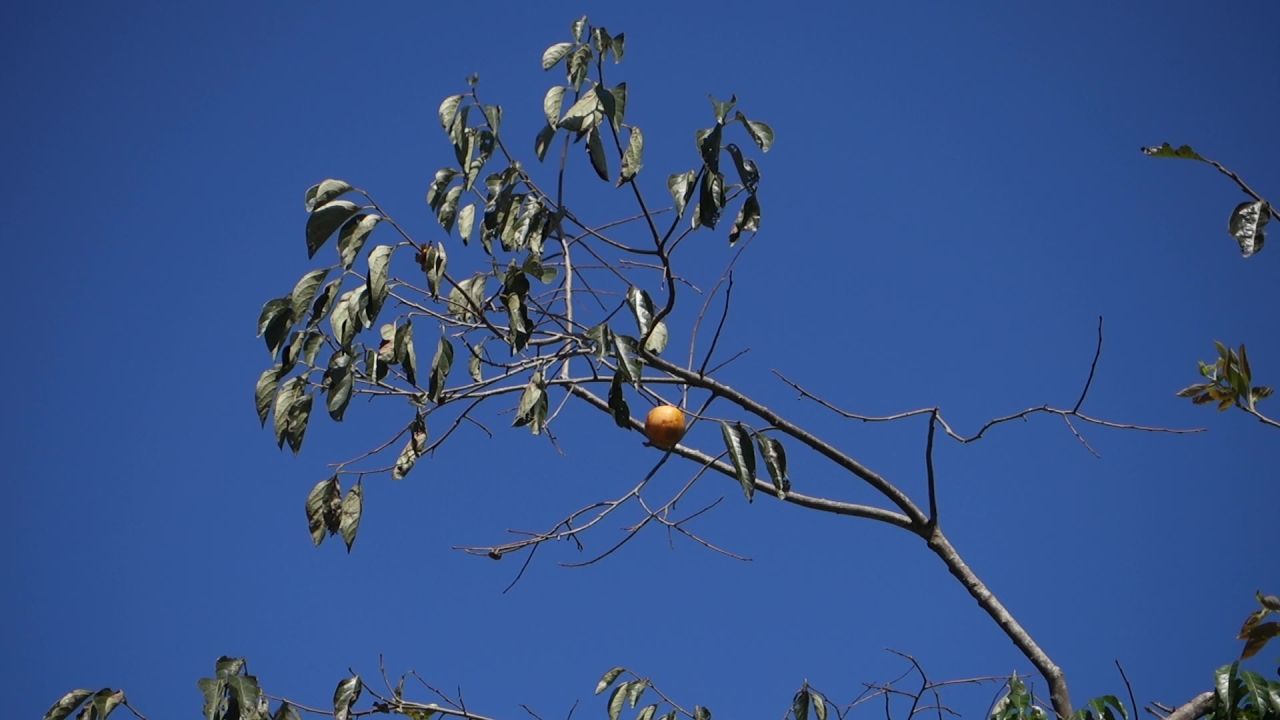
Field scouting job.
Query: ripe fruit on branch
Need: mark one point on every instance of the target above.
(664, 426)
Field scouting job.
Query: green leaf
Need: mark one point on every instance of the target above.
(701, 713)
(436, 190)
(265, 391)
(748, 173)
(344, 696)
(633, 158)
(721, 108)
(244, 689)
(748, 219)
(543, 141)
(819, 705)
(608, 679)
(324, 302)
(275, 321)
(619, 46)
(577, 26)
(681, 188)
(532, 410)
(1258, 693)
(405, 352)
(441, 364)
(227, 666)
(467, 299)
(214, 691)
(601, 40)
(1224, 686)
(552, 103)
(595, 150)
(466, 221)
(579, 64)
(1247, 223)
(617, 700)
(554, 54)
(760, 132)
(412, 450)
(657, 340)
(322, 516)
(583, 115)
(646, 713)
(324, 191)
(737, 441)
(1165, 150)
(624, 349)
(326, 219)
(349, 315)
(449, 110)
(708, 142)
(641, 306)
(66, 705)
(287, 395)
(800, 704)
(338, 381)
(618, 95)
(775, 461)
(304, 292)
(352, 236)
(475, 362)
(635, 689)
(379, 262)
(618, 402)
(710, 199)
(349, 522)
(493, 117)
(286, 712)
(434, 262)
(296, 425)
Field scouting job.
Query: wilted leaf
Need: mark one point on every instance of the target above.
(349, 522)
(474, 364)
(349, 315)
(352, 236)
(657, 340)
(737, 441)
(405, 352)
(635, 689)
(1165, 150)
(775, 461)
(467, 299)
(67, 704)
(619, 46)
(760, 132)
(326, 219)
(287, 395)
(532, 410)
(633, 158)
(800, 704)
(324, 191)
(1247, 223)
(641, 306)
(1270, 602)
(608, 678)
(710, 199)
(322, 504)
(1258, 637)
(583, 115)
(819, 705)
(618, 402)
(344, 696)
(543, 141)
(647, 712)
(286, 712)
(748, 219)
(412, 450)
(748, 173)
(379, 266)
(624, 348)
(579, 64)
(441, 364)
(617, 700)
(701, 713)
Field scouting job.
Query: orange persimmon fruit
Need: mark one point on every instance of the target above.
(664, 426)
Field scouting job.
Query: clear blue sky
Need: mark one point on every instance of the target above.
(955, 195)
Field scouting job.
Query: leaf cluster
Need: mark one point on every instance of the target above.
(1229, 381)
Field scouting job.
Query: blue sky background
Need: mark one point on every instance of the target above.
(955, 196)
